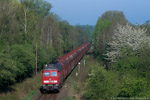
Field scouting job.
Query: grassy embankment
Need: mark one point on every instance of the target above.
(75, 86)
(24, 90)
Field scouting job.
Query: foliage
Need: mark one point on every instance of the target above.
(8, 70)
(103, 32)
(98, 35)
(124, 39)
(88, 29)
(128, 63)
(122, 81)
(102, 85)
(134, 82)
(25, 59)
(133, 87)
(125, 50)
(25, 23)
(144, 62)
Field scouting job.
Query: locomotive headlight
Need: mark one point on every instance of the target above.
(55, 81)
(50, 79)
(46, 81)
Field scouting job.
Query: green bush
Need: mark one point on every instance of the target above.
(122, 81)
(126, 64)
(133, 83)
(3, 46)
(8, 71)
(102, 85)
(25, 58)
(132, 87)
(144, 63)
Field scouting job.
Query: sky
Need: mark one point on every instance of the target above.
(85, 12)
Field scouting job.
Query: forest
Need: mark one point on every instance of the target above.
(124, 49)
(25, 24)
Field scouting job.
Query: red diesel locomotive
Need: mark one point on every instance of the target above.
(54, 74)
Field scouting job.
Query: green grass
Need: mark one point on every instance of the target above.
(24, 90)
(32, 93)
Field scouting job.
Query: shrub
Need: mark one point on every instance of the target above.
(102, 85)
(126, 64)
(8, 71)
(25, 59)
(133, 87)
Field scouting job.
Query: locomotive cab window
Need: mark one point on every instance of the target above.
(53, 73)
(46, 73)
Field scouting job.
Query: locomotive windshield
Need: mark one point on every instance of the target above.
(53, 73)
(46, 73)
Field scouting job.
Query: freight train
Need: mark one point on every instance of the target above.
(54, 75)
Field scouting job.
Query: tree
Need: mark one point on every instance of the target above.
(126, 38)
(24, 23)
(8, 71)
(105, 26)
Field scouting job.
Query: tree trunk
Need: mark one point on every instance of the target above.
(25, 20)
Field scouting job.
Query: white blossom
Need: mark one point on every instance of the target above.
(126, 37)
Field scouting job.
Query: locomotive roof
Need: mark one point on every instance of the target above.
(55, 66)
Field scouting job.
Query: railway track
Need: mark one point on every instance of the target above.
(51, 96)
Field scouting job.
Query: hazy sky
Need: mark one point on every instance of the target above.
(87, 11)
